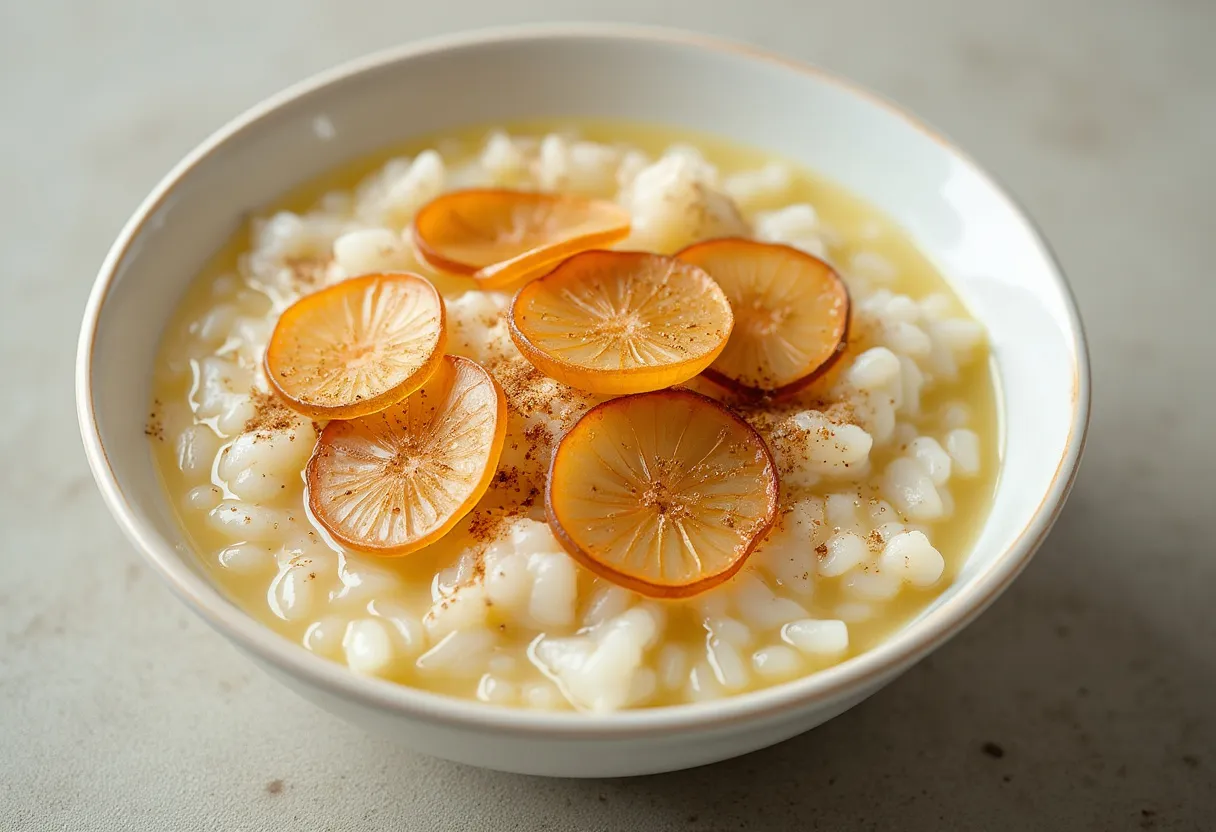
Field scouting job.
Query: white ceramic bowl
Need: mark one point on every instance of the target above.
(966, 224)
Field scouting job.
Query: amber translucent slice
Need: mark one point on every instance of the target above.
(791, 315)
(615, 322)
(394, 481)
(664, 493)
(503, 237)
(359, 346)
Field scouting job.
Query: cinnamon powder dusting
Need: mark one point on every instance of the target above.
(270, 415)
(155, 426)
(308, 273)
(487, 524)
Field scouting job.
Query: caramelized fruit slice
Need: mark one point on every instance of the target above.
(615, 322)
(359, 346)
(391, 482)
(664, 493)
(791, 315)
(502, 237)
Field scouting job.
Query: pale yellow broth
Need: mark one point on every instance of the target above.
(860, 225)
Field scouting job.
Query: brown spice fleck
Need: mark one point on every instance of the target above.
(155, 428)
(308, 272)
(270, 414)
(484, 525)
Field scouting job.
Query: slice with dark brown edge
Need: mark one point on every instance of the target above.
(613, 322)
(664, 493)
(357, 347)
(392, 482)
(791, 312)
(503, 237)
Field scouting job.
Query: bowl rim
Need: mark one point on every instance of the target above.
(851, 676)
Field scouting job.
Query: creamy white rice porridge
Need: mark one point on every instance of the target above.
(887, 463)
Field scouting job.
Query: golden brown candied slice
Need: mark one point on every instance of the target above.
(502, 237)
(359, 346)
(664, 493)
(613, 322)
(394, 481)
(791, 315)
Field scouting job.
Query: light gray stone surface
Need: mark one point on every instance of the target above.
(1095, 675)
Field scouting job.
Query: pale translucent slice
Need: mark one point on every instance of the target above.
(391, 482)
(615, 322)
(359, 346)
(664, 493)
(503, 237)
(791, 315)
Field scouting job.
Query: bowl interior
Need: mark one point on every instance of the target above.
(974, 234)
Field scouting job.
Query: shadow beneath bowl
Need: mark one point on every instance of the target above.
(1062, 706)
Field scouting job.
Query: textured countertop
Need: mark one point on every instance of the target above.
(1084, 699)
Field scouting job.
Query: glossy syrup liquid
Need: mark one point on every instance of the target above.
(860, 227)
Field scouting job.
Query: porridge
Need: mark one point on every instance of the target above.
(596, 418)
